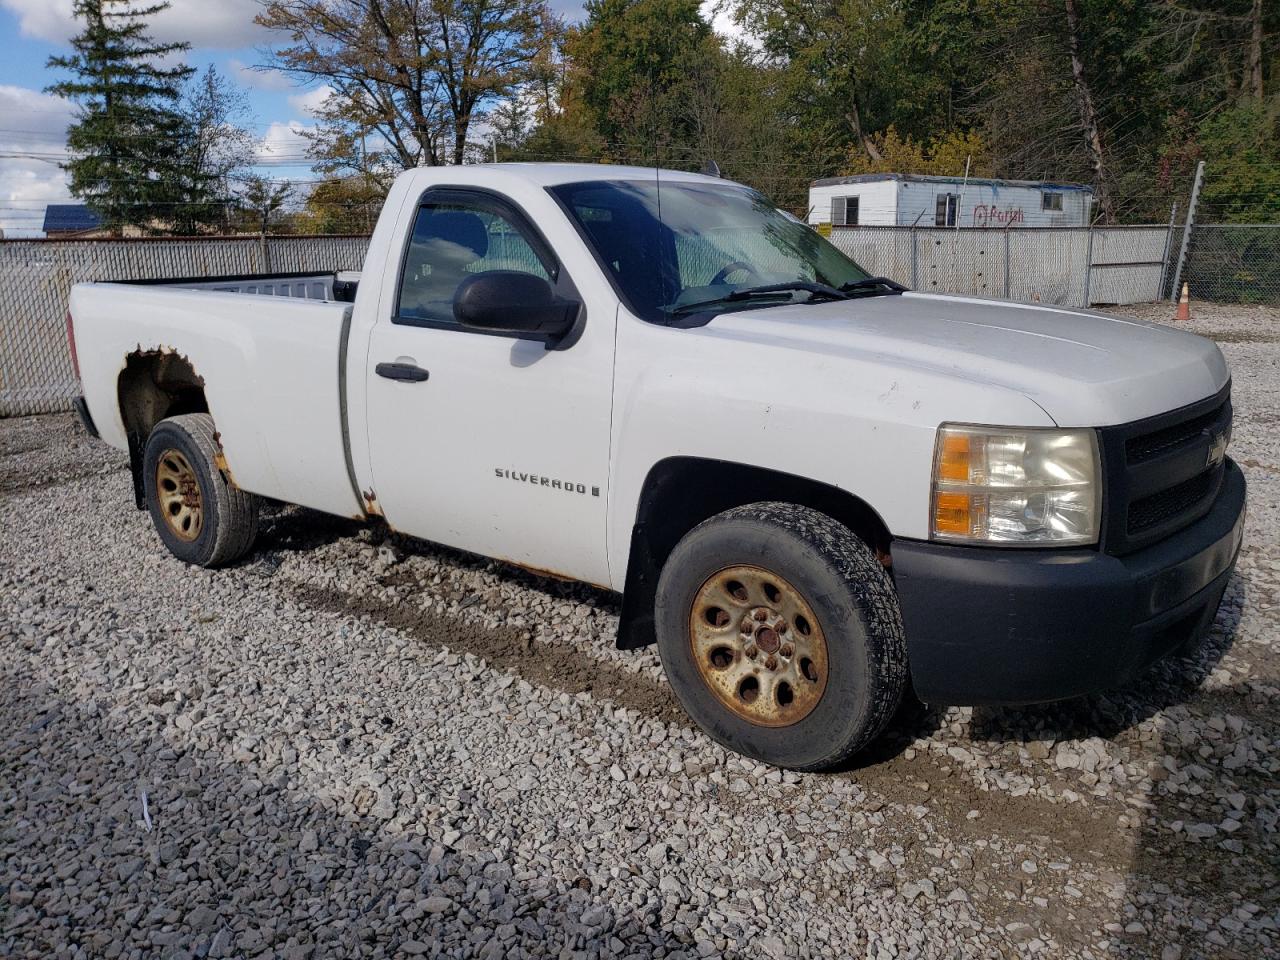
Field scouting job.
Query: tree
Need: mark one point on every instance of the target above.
(1069, 92)
(946, 155)
(215, 150)
(1241, 149)
(261, 200)
(412, 75)
(1226, 46)
(547, 120)
(342, 205)
(845, 63)
(126, 137)
(633, 61)
(1123, 94)
(1089, 123)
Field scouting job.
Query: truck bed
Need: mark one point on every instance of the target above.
(339, 286)
(270, 353)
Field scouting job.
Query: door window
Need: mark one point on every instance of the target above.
(945, 214)
(455, 240)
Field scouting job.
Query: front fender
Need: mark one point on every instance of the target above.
(860, 424)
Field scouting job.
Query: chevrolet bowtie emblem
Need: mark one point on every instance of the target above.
(1217, 448)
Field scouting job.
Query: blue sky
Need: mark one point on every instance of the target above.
(33, 124)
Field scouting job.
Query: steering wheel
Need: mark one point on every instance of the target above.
(733, 267)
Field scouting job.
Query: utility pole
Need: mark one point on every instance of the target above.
(364, 172)
(1186, 231)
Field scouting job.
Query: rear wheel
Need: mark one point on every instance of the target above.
(780, 632)
(201, 517)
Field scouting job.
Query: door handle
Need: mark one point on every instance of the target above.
(408, 372)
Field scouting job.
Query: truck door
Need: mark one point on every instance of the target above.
(499, 446)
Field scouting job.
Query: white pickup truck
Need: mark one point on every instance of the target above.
(812, 487)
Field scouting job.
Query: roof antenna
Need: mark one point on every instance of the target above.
(711, 168)
(657, 193)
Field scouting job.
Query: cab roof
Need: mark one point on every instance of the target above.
(553, 174)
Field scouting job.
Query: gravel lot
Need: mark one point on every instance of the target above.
(355, 745)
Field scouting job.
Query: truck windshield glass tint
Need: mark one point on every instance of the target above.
(687, 243)
(450, 242)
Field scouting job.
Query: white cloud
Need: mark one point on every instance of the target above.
(283, 141)
(44, 19)
(32, 143)
(225, 24)
(248, 76)
(722, 22)
(308, 101)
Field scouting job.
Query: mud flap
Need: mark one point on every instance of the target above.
(137, 447)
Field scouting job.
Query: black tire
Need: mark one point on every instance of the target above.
(229, 516)
(840, 580)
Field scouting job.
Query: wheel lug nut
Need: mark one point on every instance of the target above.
(761, 615)
(752, 651)
(772, 663)
(781, 627)
(786, 651)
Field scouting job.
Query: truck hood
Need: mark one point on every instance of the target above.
(1085, 369)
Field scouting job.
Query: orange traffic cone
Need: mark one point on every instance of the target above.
(1184, 304)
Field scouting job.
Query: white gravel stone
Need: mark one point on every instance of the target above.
(355, 744)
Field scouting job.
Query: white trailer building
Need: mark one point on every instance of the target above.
(907, 199)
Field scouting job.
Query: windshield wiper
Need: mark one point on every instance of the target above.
(769, 289)
(873, 286)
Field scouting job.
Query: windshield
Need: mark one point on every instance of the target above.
(689, 247)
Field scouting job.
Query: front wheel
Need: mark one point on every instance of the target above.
(200, 517)
(781, 635)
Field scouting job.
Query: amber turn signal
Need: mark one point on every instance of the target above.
(952, 514)
(954, 457)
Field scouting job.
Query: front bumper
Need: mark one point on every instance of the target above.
(990, 625)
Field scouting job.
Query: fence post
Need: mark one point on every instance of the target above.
(1168, 247)
(1006, 261)
(915, 260)
(264, 254)
(1186, 230)
(1088, 269)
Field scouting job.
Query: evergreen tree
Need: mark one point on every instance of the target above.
(126, 140)
(262, 200)
(215, 151)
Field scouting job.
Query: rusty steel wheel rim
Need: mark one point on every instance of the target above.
(758, 646)
(178, 490)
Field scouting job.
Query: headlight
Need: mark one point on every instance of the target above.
(1007, 485)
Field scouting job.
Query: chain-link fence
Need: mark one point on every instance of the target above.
(36, 278)
(1067, 266)
(1234, 263)
(1071, 266)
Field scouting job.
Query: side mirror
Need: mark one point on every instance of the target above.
(508, 301)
